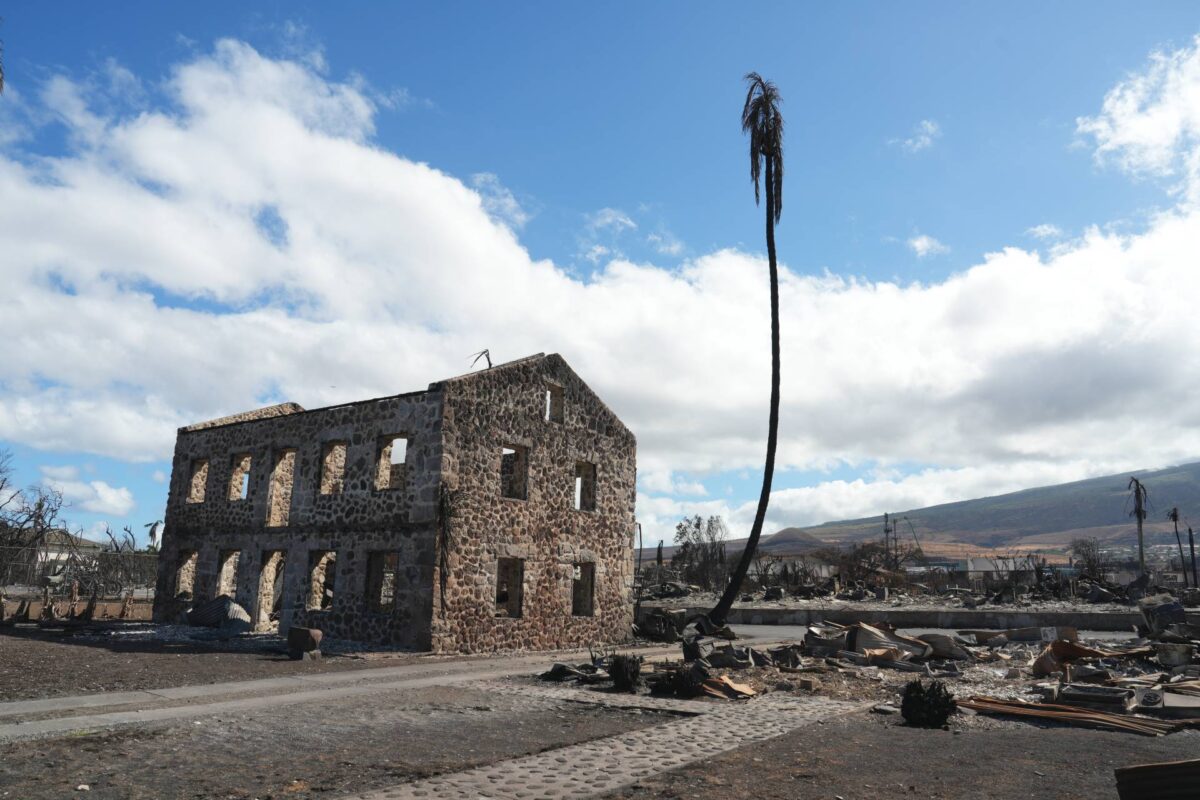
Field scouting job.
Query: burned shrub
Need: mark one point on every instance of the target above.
(927, 706)
(625, 671)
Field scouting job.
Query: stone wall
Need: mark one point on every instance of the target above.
(427, 537)
(354, 522)
(507, 407)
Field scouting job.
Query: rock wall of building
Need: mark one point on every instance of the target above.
(353, 522)
(486, 412)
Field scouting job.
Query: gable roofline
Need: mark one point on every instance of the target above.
(487, 370)
(519, 362)
(290, 408)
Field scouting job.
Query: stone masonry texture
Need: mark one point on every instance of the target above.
(317, 502)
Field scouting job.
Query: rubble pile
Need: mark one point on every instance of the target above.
(1051, 592)
(1148, 684)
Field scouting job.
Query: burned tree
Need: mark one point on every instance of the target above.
(1140, 499)
(1092, 561)
(29, 520)
(766, 566)
(762, 119)
(700, 551)
(1192, 549)
(1173, 516)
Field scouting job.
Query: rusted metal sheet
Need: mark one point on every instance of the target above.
(1070, 715)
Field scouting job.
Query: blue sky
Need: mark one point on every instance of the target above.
(921, 138)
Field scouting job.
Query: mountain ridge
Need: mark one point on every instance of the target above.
(1042, 518)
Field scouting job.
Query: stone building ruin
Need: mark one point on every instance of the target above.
(491, 511)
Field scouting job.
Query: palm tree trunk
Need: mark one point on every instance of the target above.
(1141, 543)
(1182, 563)
(718, 614)
(641, 577)
(1192, 548)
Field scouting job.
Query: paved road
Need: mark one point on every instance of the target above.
(699, 729)
(605, 765)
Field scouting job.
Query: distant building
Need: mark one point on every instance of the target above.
(490, 511)
(990, 569)
(28, 562)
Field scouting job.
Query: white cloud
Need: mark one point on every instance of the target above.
(665, 243)
(596, 253)
(830, 501)
(96, 496)
(924, 134)
(610, 219)
(159, 476)
(658, 515)
(170, 303)
(1045, 231)
(924, 245)
(667, 482)
(1149, 124)
(498, 201)
(602, 234)
(64, 473)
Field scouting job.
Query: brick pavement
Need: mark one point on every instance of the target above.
(608, 764)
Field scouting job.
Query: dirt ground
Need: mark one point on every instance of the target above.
(36, 663)
(307, 751)
(870, 756)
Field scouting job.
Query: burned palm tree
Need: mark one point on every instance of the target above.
(1173, 515)
(1141, 504)
(1192, 548)
(762, 119)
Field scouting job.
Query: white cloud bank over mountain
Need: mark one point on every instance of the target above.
(244, 240)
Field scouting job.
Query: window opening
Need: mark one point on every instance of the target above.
(270, 587)
(322, 568)
(185, 573)
(510, 579)
(227, 572)
(279, 497)
(514, 472)
(239, 477)
(381, 581)
(198, 481)
(392, 469)
(554, 404)
(583, 588)
(333, 467)
(585, 486)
